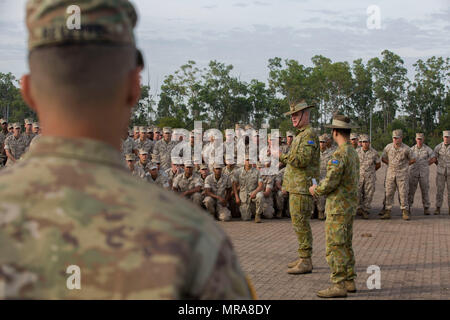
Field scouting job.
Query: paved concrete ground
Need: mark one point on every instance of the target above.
(414, 256)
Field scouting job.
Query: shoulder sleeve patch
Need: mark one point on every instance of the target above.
(310, 142)
(335, 161)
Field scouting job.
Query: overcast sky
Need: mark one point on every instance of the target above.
(248, 33)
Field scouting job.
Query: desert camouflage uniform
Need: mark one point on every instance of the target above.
(219, 188)
(130, 240)
(341, 188)
(397, 174)
(161, 180)
(367, 176)
(264, 205)
(3, 137)
(141, 170)
(231, 172)
(28, 137)
(285, 148)
(280, 198)
(247, 181)
(16, 146)
(164, 150)
(145, 144)
(184, 184)
(442, 153)
(127, 146)
(324, 157)
(419, 173)
(302, 165)
(172, 175)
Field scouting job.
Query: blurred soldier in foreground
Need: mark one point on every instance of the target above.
(369, 163)
(419, 172)
(302, 165)
(442, 152)
(72, 203)
(398, 156)
(341, 188)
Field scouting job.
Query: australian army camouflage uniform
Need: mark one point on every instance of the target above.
(302, 165)
(419, 173)
(368, 162)
(397, 178)
(72, 202)
(442, 152)
(220, 187)
(341, 188)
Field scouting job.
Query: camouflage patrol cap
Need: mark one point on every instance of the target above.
(420, 136)
(2, 121)
(155, 158)
(11, 126)
(328, 136)
(28, 121)
(142, 130)
(364, 138)
(36, 125)
(136, 129)
(289, 134)
(397, 133)
(203, 167)
(167, 130)
(153, 166)
(446, 133)
(150, 129)
(142, 151)
(130, 157)
(16, 125)
(188, 164)
(157, 130)
(323, 138)
(354, 136)
(102, 21)
(217, 166)
(297, 106)
(229, 160)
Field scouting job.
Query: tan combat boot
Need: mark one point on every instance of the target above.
(405, 215)
(382, 212)
(337, 290)
(350, 285)
(386, 215)
(293, 263)
(321, 215)
(303, 266)
(426, 211)
(365, 215)
(258, 218)
(438, 211)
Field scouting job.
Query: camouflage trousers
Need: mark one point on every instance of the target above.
(300, 207)
(320, 203)
(264, 206)
(366, 190)
(394, 183)
(441, 180)
(214, 207)
(280, 200)
(247, 207)
(339, 249)
(424, 181)
(196, 198)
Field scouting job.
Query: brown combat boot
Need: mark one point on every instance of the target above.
(279, 215)
(382, 212)
(258, 218)
(405, 215)
(293, 263)
(359, 212)
(337, 290)
(303, 266)
(386, 215)
(365, 215)
(321, 215)
(426, 211)
(438, 211)
(350, 285)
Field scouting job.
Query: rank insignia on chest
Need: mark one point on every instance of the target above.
(310, 142)
(335, 161)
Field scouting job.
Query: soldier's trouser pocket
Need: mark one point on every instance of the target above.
(300, 207)
(339, 250)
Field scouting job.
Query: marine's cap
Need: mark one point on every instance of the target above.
(188, 164)
(420, 136)
(142, 151)
(155, 158)
(323, 138)
(289, 134)
(150, 129)
(11, 125)
(36, 125)
(153, 166)
(17, 125)
(157, 130)
(102, 21)
(135, 128)
(142, 130)
(217, 166)
(341, 122)
(353, 136)
(203, 167)
(28, 121)
(364, 138)
(2, 121)
(229, 161)
(328, 136)
(130, 157)
(446, 133)
(297, 106)
(167, 130)
(397, 133)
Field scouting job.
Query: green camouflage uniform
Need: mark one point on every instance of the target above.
(302, 165)
(341, 188)
(70, 202)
